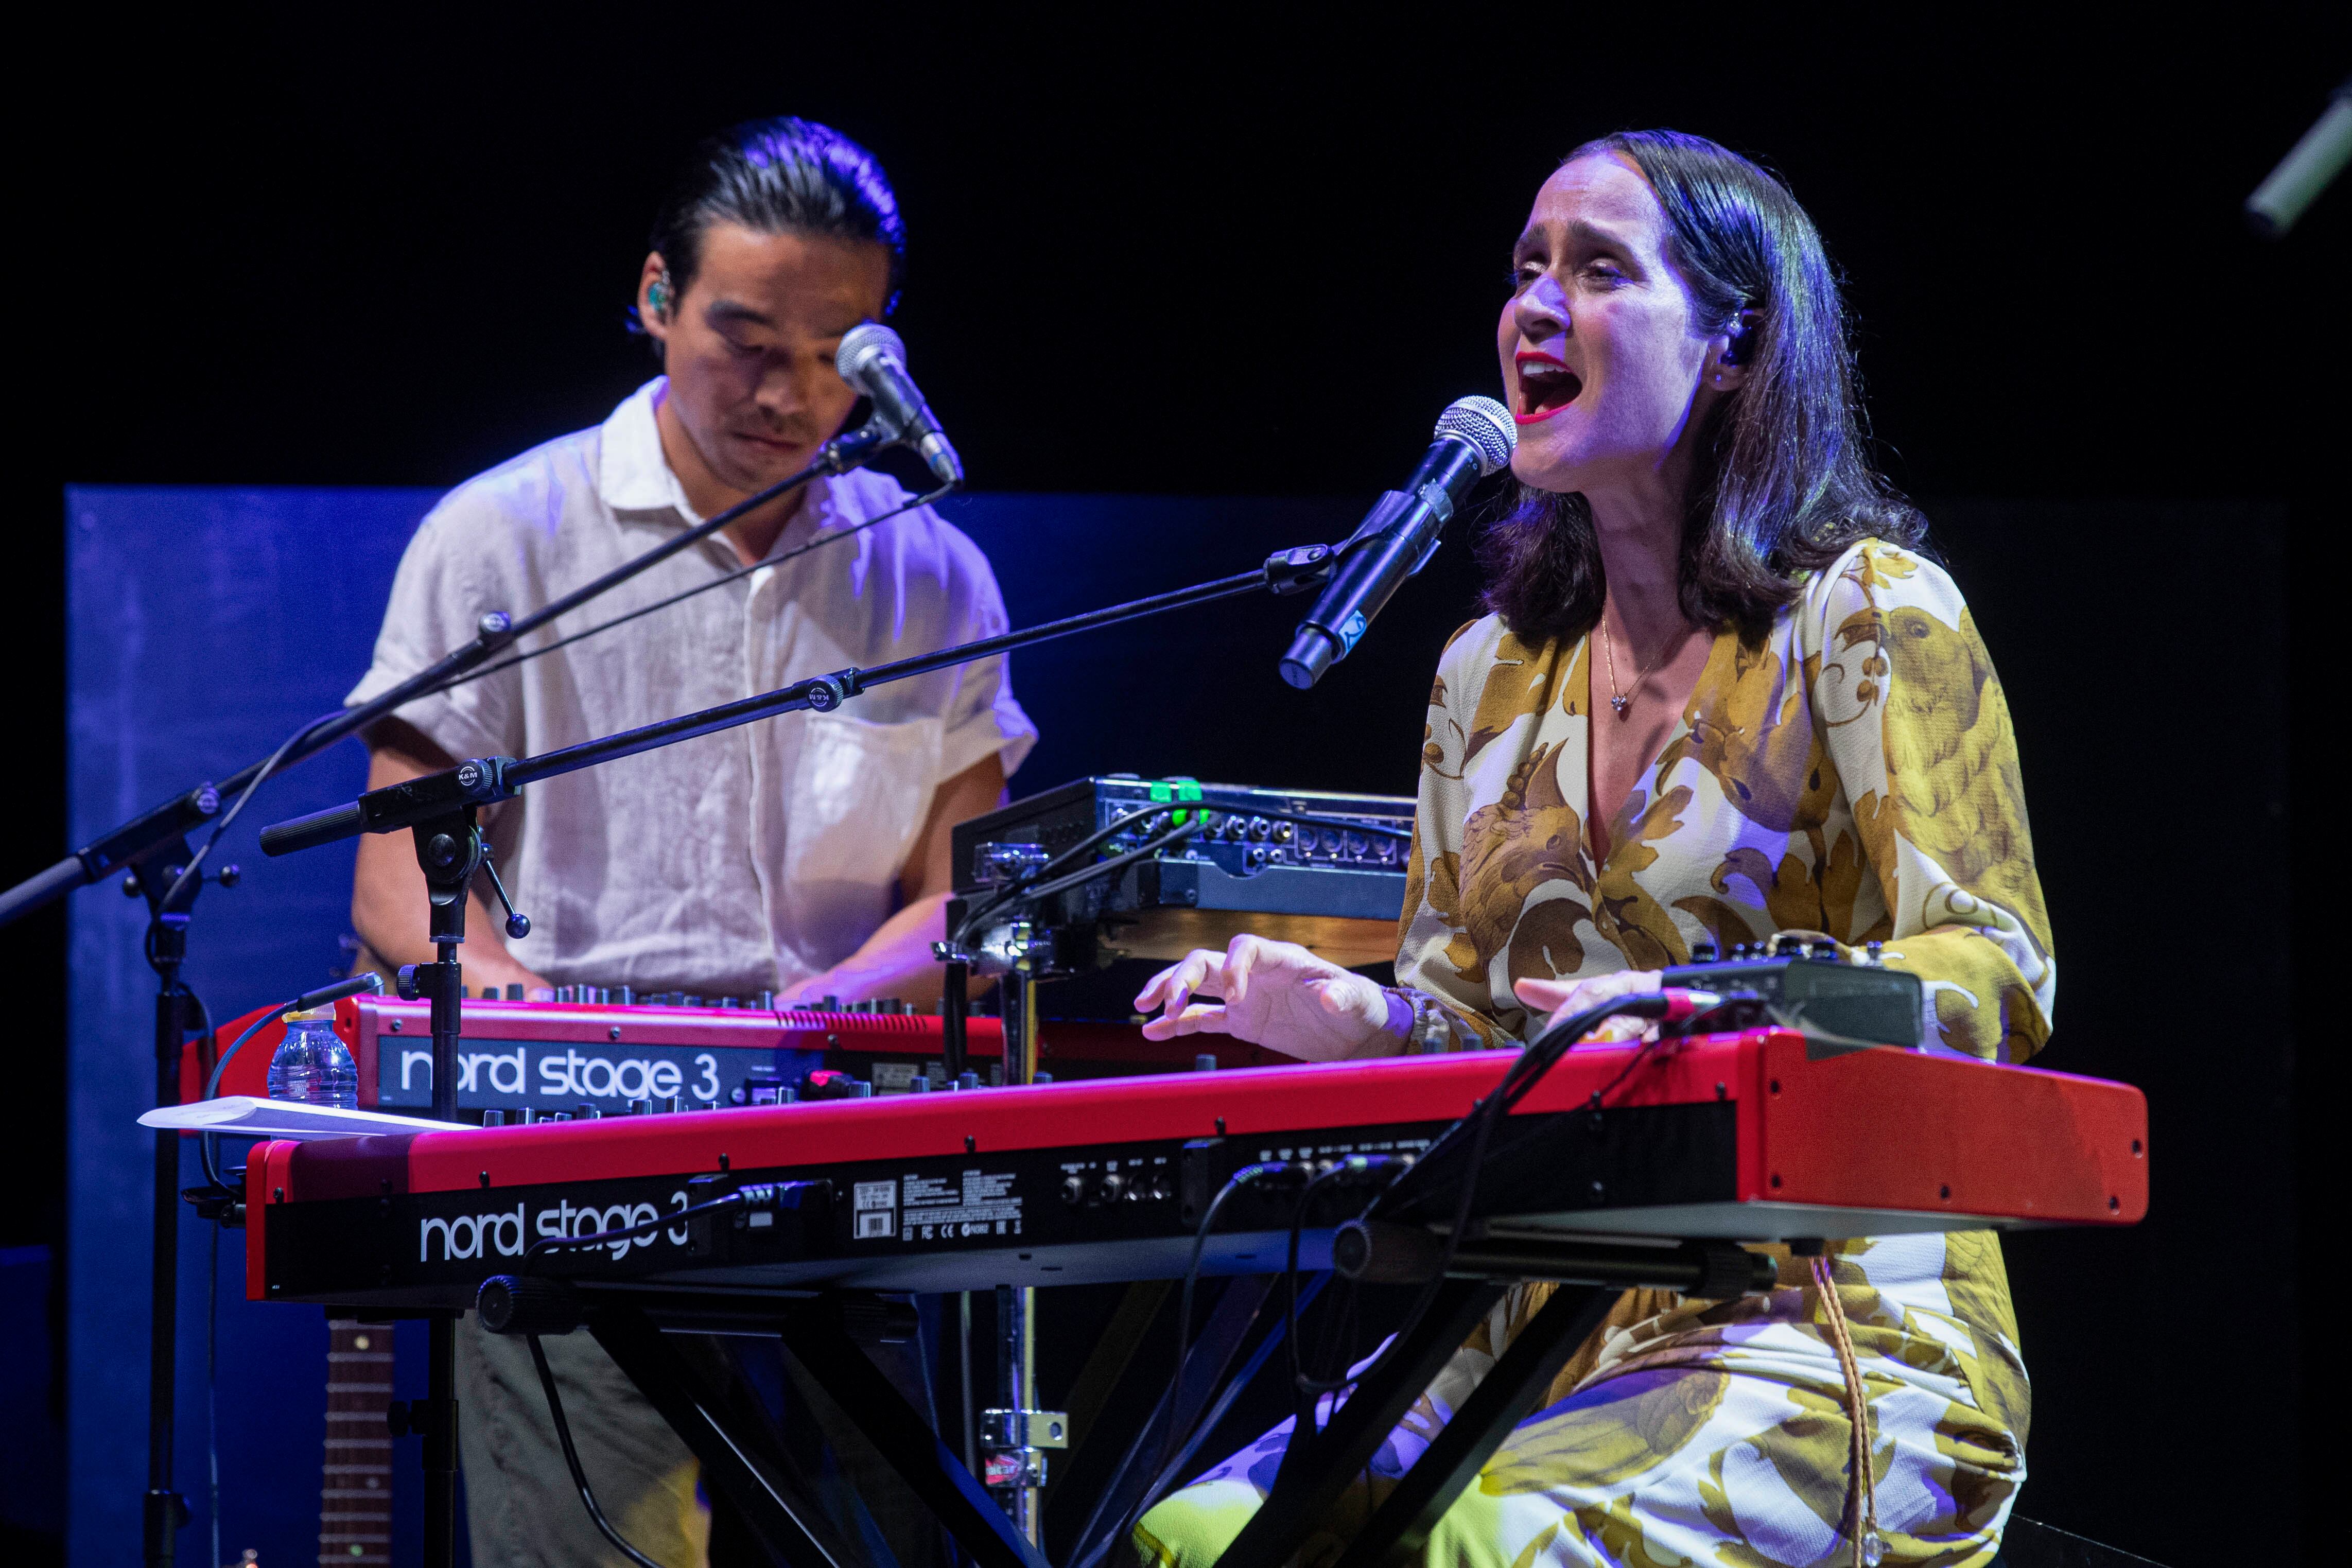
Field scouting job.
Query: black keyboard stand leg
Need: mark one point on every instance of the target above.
(1311, 1484)
(738, 1456)
(1503, 1399)
(814, 1336)
(1246, 1301)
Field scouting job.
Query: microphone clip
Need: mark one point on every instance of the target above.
(1296, 571)
(1395, 507)
(856, 449)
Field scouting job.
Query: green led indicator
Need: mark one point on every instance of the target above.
(1176, 790)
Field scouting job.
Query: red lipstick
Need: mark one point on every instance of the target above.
(1535, 408)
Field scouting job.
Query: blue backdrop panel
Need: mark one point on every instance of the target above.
(206, 624)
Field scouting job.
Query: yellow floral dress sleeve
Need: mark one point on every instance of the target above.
(1440, 961)
(1919, 731)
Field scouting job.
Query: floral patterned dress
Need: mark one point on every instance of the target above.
(1854, 774)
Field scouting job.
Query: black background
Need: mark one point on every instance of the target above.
(1254, 257)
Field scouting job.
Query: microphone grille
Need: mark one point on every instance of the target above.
(861, 346)
(1482, 423)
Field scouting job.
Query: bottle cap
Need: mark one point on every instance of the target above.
(315, 1015)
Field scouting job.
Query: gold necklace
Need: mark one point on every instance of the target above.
(1617, 699)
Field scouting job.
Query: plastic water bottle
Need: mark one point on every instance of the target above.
(312, 1065)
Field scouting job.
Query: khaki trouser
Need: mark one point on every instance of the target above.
(521, 1508)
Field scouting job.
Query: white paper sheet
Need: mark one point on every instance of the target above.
(245, 1116)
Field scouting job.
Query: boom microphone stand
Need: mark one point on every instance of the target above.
(440, 812)
(485, 781)
(153, 850)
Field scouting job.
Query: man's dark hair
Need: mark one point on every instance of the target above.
(779, 177)
(1783, 483)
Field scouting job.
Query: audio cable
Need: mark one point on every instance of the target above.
(572, 1459)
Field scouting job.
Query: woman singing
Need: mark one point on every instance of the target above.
(1718, 694)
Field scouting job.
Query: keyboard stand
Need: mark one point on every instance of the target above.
(1196, 1406)
(1318, 1466)
(1504, 1398)
(708, 1406)
(932, 1470)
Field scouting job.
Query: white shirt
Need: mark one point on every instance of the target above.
(735, 862)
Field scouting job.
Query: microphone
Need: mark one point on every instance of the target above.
(1474, 438)
(370, 981)
(873, 359)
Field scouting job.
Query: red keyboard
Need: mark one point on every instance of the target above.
(555, 1056)
(1744, 1137)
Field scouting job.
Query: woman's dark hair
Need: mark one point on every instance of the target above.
(1783, 482)
(779, 177)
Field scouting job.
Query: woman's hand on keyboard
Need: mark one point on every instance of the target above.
(1278, 995)
(1564, 999)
